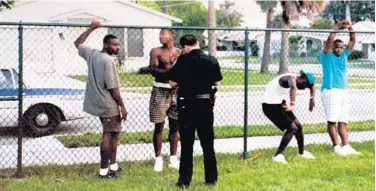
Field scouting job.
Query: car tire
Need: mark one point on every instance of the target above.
(41, 120)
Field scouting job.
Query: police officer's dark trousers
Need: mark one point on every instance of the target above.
(196, 114)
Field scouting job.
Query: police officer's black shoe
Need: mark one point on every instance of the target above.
(107, 176)
(212, 183)
(181, 185)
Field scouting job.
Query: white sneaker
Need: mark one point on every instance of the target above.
(307, 155)
(348, 150)
(338, 149)
(174, 162)
(158, 166)
(279, 158)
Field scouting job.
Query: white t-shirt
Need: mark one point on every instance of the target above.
(274, 93)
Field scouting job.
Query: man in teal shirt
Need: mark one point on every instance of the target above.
(334, 88)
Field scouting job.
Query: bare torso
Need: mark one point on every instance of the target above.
(162, 60)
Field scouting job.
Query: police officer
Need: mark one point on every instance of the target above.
(195, 73)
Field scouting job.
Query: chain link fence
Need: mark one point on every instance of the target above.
(53, 129)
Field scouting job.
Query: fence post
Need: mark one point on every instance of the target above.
(20, 173)
(246, 58)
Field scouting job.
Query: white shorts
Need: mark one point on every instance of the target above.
(336, 105)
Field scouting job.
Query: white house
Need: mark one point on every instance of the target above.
(367, 41)
(51, 49)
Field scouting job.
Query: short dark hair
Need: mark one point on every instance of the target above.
(188, 40)
(169, 30)
(108, 38)
(337, 41)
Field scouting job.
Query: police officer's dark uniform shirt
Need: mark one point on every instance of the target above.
(195, 73)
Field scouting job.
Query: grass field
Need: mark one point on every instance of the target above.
(94, 139)
(327, 172)
(230, 77)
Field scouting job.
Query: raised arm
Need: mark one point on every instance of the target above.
(351, 44)
(328, 47)
(81, 39)
(154, 63)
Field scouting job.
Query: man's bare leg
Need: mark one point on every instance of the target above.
(343, 132)
(157, 142)
(332, 130)
(173, 136)
(158, 138)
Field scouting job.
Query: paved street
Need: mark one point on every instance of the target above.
(229, 110)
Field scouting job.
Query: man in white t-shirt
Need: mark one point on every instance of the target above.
(280, 112)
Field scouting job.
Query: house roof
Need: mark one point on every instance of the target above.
(364, 26)
(123, 2)
(78, 13)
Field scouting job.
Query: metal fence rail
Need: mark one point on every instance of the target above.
(41, 69)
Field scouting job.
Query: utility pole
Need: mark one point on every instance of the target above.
(165, 6)
(212, 33)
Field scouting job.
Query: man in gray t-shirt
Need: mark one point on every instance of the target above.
(102, 96)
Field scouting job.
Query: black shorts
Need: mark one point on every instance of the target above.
(281, 118)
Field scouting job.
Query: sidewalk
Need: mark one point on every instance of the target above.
(36, 152)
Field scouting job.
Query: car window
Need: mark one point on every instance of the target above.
(15, 77)
(5, 79)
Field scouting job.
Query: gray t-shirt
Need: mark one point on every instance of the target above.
(102, 76)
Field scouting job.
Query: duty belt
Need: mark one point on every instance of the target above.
(198, 96)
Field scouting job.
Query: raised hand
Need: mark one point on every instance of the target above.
(95, 24)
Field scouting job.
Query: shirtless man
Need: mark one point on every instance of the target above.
(164, 98)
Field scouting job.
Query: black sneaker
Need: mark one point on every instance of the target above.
(115, 174)
(107, 176)
(181, 185)
(212, 183)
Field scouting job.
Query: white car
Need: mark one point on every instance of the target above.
(47, 101)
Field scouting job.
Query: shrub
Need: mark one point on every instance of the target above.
(356, 54)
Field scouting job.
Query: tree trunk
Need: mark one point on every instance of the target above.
(266, 52)
(284, 53)
(211, 33)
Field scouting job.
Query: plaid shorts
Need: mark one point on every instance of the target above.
(163, 103)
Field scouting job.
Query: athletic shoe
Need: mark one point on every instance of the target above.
(338, 149)
(158, 166)
(348, 150)
(307, 155)
(174, 162)
(279, 158)
(115, 174)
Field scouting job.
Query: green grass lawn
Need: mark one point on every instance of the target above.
(230, 77)
(94, 139)
(327, 172)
